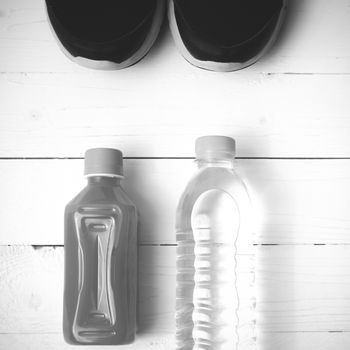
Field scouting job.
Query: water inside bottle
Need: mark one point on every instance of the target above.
(206, 295)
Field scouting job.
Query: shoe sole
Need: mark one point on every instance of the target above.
(109, 65)
(219, 66)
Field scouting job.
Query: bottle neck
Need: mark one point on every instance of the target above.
(104, 180)
(216, 163)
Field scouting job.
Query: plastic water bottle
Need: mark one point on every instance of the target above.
(213, 210)
(100, 246)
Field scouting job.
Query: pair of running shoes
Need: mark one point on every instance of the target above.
(219, 35)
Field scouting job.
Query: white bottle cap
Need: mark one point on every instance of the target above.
(215, 147)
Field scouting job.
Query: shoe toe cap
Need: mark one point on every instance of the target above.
(219, 35)
(109, 32)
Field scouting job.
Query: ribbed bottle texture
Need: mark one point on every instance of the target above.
(207, 299)
(213, 212)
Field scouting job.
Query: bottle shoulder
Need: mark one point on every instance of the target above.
(213, 178)
(101, 196)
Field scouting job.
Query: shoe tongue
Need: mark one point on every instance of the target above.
(102, 20)
(228, 22)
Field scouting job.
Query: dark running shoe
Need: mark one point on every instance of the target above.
(225, 35)
(105, 34)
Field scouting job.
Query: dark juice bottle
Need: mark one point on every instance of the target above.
(100, 245)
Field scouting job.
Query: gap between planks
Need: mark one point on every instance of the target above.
(54, 246)
(179, 158)
(237, 73)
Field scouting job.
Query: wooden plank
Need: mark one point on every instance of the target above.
(304, 341)
(271, 341)
(32, 284)
(296, 201)
(296, 289)
(303, 288)
(60, 115)
(56, 342)
(312, 40)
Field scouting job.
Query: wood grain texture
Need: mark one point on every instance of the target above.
(296, 201)
(292, 103)
(297, 289)
(32, 285)
(312, 40)
(156, 109)
(268, 341)
(160, 115)
(303, 288)
(55, 342)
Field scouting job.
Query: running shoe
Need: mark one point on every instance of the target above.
(105, 34)
(225, 35)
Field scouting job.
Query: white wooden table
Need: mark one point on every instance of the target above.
(290, 115)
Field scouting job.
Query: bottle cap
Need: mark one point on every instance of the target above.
(213, 147)
(103, 162)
